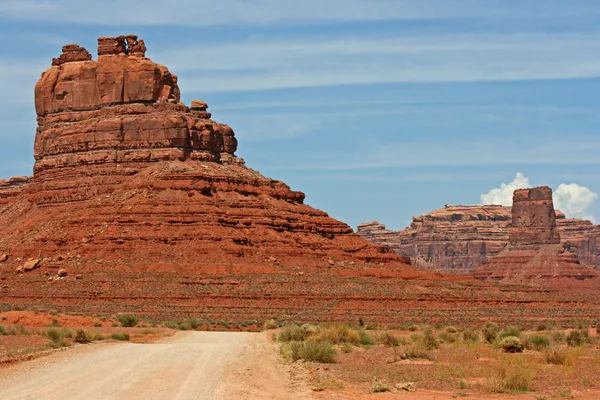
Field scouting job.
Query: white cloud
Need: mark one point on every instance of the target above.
(575, 201)
(572, 199)
(504, 194)
(261, 63)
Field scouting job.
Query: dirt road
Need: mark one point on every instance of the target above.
(190, 365)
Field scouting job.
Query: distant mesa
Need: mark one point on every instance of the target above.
(458, 239)
(467, 239)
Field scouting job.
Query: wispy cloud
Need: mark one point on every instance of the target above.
(260, 12)
(263, 63)
(509, 151)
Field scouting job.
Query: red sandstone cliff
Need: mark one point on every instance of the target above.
(458, 239)
(534, 255)
(138, 203)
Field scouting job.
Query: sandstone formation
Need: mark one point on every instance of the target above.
(534, 255)
(458, 239)
(146, 205)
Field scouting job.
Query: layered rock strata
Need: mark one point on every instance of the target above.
(139, 204)
(458, 239)
(534, 255)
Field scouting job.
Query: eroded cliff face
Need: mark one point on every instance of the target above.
(534, 255)
(144, 200)
(457, 239)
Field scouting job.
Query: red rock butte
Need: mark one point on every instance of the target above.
(139, 204)
(534, 255)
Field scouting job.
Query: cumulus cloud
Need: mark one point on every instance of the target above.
(504, 194)
(574, 200)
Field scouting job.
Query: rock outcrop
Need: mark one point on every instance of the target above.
(458, 239)
(534, 255)
(146, 205)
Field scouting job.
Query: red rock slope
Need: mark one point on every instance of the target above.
(139, 204)
(534, 255)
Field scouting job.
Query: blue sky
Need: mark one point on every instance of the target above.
(376, 109)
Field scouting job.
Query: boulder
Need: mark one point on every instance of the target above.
(32, 264)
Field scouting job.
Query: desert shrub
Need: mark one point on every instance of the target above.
(490, 332)
(388, 340)
(471, 336)
(558, 337)
(2, 330)
(365, 338)
(415, 352)
(147, 332)
(451, 329)
(55, 323)
(271, 324)
(511, 344)
(577, 338)
(120, 336)
(510, 331)
(292, 332)
(414, 328)
(541, 327)
(429, 340)
(336, 334)
(171, 325)
(57, 337)
(82, 337)
(379, 387)
(555, 355)
(447, 337)
(535, 342)
(194, 323)
(510, 378)
(346, 348)
(97, 325)
(127, 320)
(96, 336)
(322, 352)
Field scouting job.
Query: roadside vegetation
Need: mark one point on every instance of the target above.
(468, 361)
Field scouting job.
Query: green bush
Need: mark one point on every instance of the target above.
(346, 348)
(2, 330)
(292, 333)
(451, 329)
(470, 336)
(82, 337)
(577, 338)
(58, 337)
(322, 352)
(536, 342)
(380, 387)
(271, 324)
(365, 338)
(416, 352)
(447, 337)
(120, 336)
(388, 340)
(127, 320)
(490, 332)
(555, 355)
(429, 340)
(511, 344)
(510, 331)
(414, 328)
